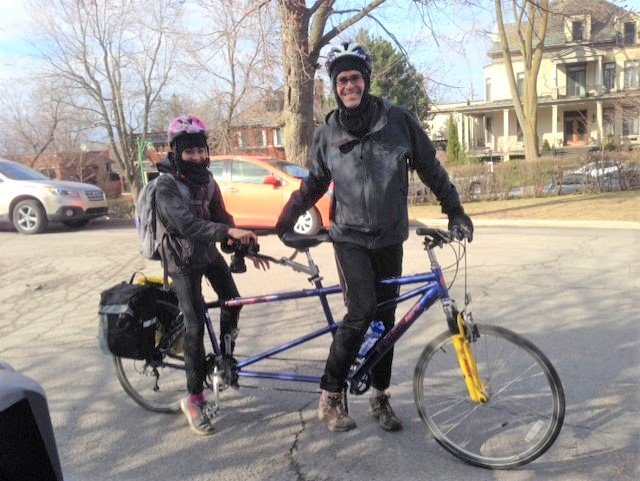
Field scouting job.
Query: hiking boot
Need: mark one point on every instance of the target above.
(331, 409)
(380, 408)
(199, 415)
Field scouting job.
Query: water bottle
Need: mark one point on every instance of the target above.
(375, 331)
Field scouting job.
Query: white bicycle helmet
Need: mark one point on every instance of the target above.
(185, 124)
(348, 50)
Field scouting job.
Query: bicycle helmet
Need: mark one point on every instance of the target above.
(185, 124)
(349, 51)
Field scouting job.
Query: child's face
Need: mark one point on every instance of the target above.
(195, 155)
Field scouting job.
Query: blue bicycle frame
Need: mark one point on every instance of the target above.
(433, 288)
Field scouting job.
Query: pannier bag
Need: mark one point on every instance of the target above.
(127, 321)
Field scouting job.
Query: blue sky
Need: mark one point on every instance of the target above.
(451, 75)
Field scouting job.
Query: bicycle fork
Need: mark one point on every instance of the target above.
(462, 335)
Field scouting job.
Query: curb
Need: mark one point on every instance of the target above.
(577, 224)
(440, 222)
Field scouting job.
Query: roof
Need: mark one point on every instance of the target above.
(603, 17)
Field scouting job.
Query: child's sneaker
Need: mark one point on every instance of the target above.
(199, 415)
(331, 409)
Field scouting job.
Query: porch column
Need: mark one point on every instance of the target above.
(599, 76)
(461, 131)
(599, 120)
(554, 125)
(505, 135)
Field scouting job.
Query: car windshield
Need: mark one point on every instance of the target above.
(291, 169)
(20, 172)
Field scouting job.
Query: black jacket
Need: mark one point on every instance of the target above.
(370, 176)
(193, 224)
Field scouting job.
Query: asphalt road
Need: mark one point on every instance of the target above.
(575, 292)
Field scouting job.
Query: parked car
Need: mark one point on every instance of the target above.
(601, 168)
(255, 189)
(571, 183)
(30, 200)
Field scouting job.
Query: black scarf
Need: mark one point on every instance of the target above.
(359, 121)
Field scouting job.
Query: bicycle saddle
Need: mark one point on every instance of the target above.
(303, 242)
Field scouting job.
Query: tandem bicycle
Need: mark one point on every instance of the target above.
(487, 395)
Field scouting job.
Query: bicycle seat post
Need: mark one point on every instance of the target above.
(314, 270)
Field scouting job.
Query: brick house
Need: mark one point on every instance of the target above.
(91, 167)
(258, 130)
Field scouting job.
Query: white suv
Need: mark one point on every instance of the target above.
(30, 200)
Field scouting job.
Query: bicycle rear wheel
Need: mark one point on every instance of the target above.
(159, 384)
(525, 410)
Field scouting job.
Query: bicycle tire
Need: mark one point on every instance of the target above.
(526, 406)
(138, 377)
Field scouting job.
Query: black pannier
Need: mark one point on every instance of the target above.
(127, 320)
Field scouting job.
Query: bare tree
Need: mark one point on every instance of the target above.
(114, 57)
(239, 58)
(524, 40)
(34, 116)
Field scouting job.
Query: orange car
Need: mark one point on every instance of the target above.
(255, 189)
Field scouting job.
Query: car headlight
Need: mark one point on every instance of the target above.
(63, 192)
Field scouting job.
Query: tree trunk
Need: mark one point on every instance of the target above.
(299, 72)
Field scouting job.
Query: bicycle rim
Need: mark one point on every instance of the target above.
(525, 411)
(156, 385)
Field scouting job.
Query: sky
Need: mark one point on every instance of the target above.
(451, 75)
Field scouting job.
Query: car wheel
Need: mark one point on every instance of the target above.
(75, 223)
(308, 223)
(29, 217)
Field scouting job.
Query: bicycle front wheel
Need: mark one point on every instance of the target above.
(524, 412)
(159, 384)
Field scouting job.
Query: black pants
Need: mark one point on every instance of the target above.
(188, 288)
(359, 269)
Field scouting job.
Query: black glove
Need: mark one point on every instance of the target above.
(463, 222)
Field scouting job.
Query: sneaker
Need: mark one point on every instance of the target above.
(331, 409)
(199, 415)
(380, 408)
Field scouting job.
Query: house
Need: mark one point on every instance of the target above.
(89, 166)
(588, 87)
(258, 129)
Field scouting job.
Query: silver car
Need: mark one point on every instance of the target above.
(30, 200)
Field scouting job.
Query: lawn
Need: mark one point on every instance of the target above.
(619, 206)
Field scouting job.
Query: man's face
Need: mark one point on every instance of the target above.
(350, 87)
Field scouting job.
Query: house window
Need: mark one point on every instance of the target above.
(630, 121)
(609, 76)
(577, 31)
(629, 33)
(520, 84)
(631, 74)
(487, 90)
(608, 121)
(577, 81)
(262, 138)
(277, 137)
(243, 139)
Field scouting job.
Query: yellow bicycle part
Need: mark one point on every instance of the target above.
(151, 280)
(468, 364)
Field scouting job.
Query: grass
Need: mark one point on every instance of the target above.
(616, 206)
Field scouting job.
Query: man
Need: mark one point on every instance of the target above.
(366, 147)
(191, 210)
